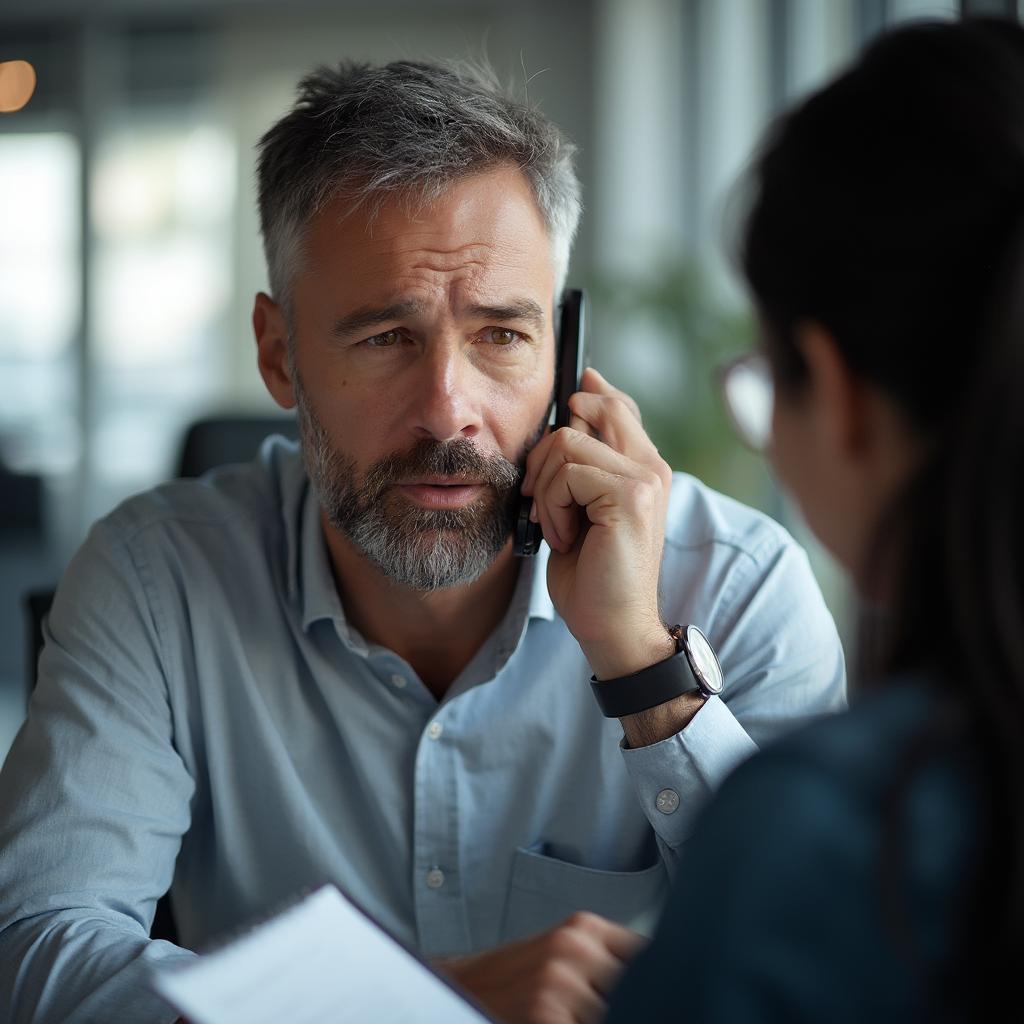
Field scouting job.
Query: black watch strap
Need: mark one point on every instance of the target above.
(657, 684)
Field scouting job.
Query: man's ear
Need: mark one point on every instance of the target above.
(271, 330)
(837, 396)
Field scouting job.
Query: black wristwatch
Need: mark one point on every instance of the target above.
(693, 668)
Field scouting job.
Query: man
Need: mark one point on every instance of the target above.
(333, 667)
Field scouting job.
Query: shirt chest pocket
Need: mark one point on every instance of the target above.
(544, 891)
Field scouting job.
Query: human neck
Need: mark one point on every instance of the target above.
(436, 632)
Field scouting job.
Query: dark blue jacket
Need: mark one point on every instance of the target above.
(800, 898)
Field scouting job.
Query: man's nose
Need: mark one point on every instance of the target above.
(444, 405)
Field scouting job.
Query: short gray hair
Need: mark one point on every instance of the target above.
(409, 129)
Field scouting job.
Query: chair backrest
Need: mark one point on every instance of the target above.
(37, 607)
(219, 440)
(21, 501)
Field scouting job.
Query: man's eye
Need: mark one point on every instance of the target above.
(385, 340)
(504, 336)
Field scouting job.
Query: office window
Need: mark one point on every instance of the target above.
(162, 205)
(40, 264)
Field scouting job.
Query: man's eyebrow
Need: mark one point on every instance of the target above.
(373, 316)
(515, 310)
(522, 310)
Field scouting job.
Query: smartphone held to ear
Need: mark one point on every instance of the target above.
(567, 383)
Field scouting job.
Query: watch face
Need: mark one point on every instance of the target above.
(703, 661)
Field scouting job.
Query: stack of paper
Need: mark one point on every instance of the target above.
(320, 962)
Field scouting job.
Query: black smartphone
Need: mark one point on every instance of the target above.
(567, 382)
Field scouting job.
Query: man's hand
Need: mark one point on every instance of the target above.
(561, 976)
(601, 493)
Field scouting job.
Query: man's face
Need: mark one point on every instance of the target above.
(422, 367)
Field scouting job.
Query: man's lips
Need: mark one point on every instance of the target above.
(444, 481)
(441, 492)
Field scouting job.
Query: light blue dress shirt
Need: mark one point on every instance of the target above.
(206, 716)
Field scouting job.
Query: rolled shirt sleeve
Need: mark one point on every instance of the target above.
(94, 797)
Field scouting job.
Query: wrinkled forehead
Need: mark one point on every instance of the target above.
(485, 231)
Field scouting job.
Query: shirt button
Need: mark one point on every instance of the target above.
(435, 878)
(667, 801)
(434, 730)
(398, 681)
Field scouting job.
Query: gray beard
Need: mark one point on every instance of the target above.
(422, 548)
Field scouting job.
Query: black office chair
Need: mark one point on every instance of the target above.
(37, 607)
(219, 440)
(21, 501)
(208, 443)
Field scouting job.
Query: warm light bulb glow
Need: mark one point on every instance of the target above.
(17, 83)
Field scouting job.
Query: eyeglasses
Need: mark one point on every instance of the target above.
(748, 392)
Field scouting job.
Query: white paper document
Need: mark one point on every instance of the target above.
(320, 962)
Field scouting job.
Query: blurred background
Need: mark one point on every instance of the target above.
(130, 253)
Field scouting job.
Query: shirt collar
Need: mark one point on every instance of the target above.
(319, 593)
(309, 579)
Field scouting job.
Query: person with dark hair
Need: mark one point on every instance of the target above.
(871, 867)
(329, 665)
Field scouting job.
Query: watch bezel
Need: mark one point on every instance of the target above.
(710, 688)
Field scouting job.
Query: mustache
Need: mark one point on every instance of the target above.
(459, 457)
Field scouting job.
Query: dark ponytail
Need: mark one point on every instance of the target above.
(890, 209)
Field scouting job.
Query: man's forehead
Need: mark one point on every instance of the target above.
(480, 250)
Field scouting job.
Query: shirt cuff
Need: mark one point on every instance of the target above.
(675, 776)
